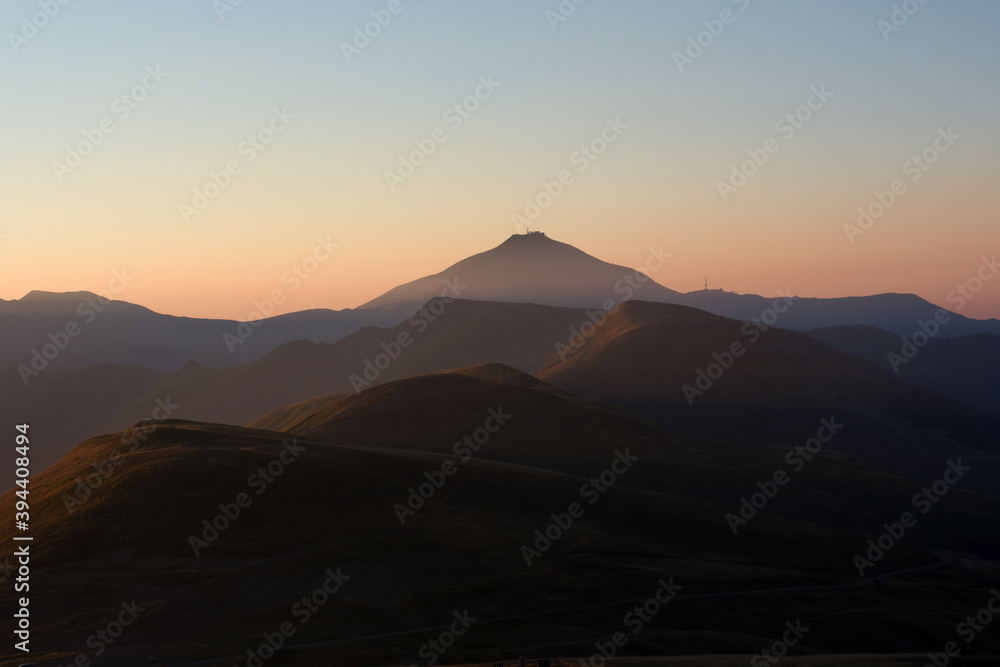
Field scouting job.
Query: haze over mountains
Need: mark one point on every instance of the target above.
(67, 409)
(126, 360)
(642, 355)
(526, 268)
(118, 332)
(534, 268)
(577, 364)
(963, 367)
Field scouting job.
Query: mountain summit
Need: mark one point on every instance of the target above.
(530, 268)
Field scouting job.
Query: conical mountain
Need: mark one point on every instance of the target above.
(529, 268)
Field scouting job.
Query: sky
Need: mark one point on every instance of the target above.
(208, 148)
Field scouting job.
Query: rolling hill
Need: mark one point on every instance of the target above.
(327, 515)
(69, 406)
(963, 367)
(723, 379)
(79, 329)
(641, 358)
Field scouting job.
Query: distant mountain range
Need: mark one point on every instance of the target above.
(532, 437)
(536, 269)
(125, 359)
(526, 268)
(964, 367)
(47, 331)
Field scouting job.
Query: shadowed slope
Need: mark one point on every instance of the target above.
(963, 367)
(655, 358)
(441, 336)
(334, 506)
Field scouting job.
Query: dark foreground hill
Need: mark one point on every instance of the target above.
(324, 510)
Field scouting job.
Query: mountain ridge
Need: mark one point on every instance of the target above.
(529, 268)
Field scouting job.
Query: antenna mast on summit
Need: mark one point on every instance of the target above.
(706, 283)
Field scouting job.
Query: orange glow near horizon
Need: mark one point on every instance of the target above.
(680, 134)
(207, 287)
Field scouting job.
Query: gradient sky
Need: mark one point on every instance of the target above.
(323, 176)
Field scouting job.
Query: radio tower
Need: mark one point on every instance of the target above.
(706, 283)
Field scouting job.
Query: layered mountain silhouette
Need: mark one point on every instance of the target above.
(330, 516)
(641, 355)
(71, 405)
(534, 268)
(423, 453)
(963, 367)
(47, 331)
(679, 366)
(526, 268)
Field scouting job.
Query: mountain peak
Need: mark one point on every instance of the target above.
(527, 268)
(527, 237)
(41, 295)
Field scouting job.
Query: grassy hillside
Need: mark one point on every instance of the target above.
(334, 506)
